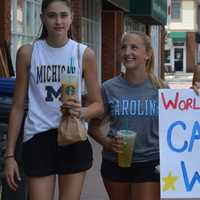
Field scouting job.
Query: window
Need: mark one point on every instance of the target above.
(25, 23)
(167, 56)
(91, 28)
(176, 9)
(132, 25)
(168, 67)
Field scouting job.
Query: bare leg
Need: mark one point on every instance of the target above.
(118, 190)
(70, 186)
(41, 188)
(146, 191)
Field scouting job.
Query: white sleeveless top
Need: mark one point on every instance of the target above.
(44, 93)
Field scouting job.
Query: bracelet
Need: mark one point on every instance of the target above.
(9, 156)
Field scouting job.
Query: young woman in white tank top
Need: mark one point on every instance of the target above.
(39, 70)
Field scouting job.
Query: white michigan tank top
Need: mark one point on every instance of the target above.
(44, 93)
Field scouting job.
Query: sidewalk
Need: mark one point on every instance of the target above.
(179, 80)
(93, 187)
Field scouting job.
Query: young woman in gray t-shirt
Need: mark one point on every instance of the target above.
(131, 102)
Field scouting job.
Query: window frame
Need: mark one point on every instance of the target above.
(174, 18)
(91, 28)
(20, 34)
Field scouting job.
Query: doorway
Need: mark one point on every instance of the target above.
(179, 59)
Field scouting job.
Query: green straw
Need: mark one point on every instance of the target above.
(126, 125)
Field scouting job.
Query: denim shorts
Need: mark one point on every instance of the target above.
(41, 156)
(137, 173)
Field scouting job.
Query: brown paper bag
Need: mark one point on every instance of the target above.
(71, 130)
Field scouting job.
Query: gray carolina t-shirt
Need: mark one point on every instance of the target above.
(136, 104)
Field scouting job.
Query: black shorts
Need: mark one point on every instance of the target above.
(137, 173)
(41, 156)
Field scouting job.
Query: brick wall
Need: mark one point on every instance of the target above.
(190, 51)
(5, 21)
(112, 29)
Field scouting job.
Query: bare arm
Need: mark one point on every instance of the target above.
(95, 106)
(98, 129)
(17, 113)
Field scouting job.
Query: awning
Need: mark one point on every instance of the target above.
(123, 4)
(153, 12)
(178, 36)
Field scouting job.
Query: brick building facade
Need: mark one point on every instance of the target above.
(191, 46)
(111, 28)
(5, 22)
(182, 42)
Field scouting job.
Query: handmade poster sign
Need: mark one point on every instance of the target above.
(179, 130)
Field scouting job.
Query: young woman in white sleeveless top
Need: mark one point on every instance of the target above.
(39, 71)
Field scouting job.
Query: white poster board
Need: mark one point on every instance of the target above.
(179, 130)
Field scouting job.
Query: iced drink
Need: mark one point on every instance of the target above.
(69, 86)
(125, 156)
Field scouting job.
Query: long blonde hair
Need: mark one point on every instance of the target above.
(156, 81)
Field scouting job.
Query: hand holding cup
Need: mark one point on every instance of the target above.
(126, 154)
(114, 144)
(70, 101)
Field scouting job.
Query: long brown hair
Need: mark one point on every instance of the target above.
(156, 81)
(45, 4)
(196, 74)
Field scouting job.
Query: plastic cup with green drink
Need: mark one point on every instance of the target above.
(126, 154)
(69, 86)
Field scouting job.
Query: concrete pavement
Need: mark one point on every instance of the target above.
(93, 186)
(179, 80)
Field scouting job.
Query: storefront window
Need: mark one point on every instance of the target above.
(91, 27)
(25, 23)
(167, 57)
(168, 67)
(131, 25)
